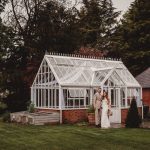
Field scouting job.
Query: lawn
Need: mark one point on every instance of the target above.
(71, 137)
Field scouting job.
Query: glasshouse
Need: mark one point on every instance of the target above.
(67, 83)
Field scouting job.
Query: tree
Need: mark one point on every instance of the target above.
(12, 86)
(97, 23)
(132, 38)
(12, 61)
(44, 26)
(35, 27)
(13, 89)
(133, 118)
(2, 5)
(56, 29)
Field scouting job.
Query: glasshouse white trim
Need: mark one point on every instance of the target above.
(69, 82)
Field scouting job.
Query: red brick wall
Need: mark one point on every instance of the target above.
(146, 96)
(79, 115)
(124, 113)
(74, 116)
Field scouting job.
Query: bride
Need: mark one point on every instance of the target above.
(105, 123)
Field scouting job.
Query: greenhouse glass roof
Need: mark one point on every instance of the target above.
(77, 71)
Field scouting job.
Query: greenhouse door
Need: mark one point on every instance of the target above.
(114, 95)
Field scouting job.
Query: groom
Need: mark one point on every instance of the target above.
(97, 106)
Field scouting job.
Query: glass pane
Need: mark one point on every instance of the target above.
(112, 98)
(77, 92)
(122, 93)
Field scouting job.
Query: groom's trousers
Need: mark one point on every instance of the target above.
(97, 116)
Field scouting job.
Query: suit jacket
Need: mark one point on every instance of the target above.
(97, 100)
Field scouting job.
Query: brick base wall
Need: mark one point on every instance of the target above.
(46, 110)
(80, 115)
(146, 96)
(74, 116)
(124, 113)
(69, 116)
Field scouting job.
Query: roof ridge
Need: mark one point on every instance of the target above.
(145, 71)
(144, 78)
(82, 56)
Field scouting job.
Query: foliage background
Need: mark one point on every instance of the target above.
(30, 28)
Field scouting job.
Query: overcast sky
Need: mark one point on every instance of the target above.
(122, 5)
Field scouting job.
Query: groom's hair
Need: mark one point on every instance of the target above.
(98, 89)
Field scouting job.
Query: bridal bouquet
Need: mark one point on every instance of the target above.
(110, 113)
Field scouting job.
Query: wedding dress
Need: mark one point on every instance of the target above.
(105, 123)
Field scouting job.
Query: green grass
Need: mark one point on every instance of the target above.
(71, 137)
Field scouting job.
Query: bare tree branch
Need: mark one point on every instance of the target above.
(15, 15)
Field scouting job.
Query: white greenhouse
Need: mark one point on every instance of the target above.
(68, 82)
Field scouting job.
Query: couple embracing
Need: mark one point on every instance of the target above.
(102, 107)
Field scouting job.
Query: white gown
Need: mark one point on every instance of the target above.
(105, 123)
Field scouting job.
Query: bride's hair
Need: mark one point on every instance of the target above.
(106, 96)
